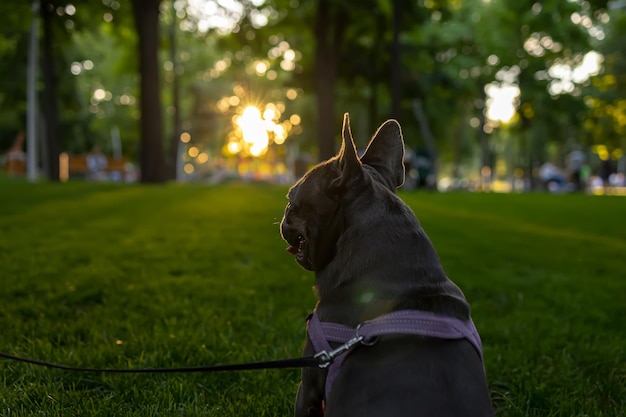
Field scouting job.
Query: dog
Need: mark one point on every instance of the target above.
(371, 257)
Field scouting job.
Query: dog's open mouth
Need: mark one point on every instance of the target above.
(298, 248)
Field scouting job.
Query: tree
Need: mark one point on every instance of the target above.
(16, 20)
(146, 13)
(605, 120)
(331, 21)
(50, 93)
(444, 53)
(172, 151)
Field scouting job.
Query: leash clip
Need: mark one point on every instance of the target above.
(326, 358)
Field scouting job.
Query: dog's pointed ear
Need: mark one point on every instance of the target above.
(385, 153)
(349, 164)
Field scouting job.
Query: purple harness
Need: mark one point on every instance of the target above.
(416, 322)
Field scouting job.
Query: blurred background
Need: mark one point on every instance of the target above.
(492, 95)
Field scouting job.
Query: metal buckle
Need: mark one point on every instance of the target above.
(372, 342)
(326, 358)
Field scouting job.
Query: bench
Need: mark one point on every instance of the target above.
(75, 166)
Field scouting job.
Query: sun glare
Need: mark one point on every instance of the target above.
(501, 102)
(257, 127)
(253, 130)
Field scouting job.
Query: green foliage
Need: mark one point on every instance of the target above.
(450, 50)
(113, 69)
(13, 49)
(605, 98)
(111, 275)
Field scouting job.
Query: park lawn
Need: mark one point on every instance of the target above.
(106, 275)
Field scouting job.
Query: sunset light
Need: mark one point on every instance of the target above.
(257, 128)
(501, 102)
(253, 130)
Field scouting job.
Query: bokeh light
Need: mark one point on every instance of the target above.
(185, 137)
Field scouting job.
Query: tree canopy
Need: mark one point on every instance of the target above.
(468, 80)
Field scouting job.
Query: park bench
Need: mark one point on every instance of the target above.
(75, 166)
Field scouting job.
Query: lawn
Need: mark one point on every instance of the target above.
(105, 275)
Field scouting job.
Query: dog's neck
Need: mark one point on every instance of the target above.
(406, 275)
(358, 301)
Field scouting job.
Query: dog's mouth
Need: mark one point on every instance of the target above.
(298, 248)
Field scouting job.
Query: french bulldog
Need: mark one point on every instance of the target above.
(370, 255)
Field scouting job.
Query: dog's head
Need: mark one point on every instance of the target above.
(315, 215)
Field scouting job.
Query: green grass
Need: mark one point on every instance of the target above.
(104, 275)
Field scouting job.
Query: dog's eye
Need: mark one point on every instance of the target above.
(292, 207)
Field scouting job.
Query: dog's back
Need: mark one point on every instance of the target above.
(409, 375)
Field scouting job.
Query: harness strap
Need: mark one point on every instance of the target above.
(415, 322)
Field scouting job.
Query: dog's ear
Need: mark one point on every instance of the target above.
(385, 153)
(349, 165)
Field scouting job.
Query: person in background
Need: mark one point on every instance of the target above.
(551, 177)
(96, 165)
(606, 170)
(16, 157)
(575, 162)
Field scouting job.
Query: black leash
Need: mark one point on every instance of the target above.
(304, 362)
(321, 359)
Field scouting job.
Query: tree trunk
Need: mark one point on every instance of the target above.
(172, 151)
(374, 73)
(50, 93)
(483, 138)
(429, 140)
(396, 70)
(151, 158)
(329, 31)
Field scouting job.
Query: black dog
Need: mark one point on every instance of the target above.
(371, 257)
